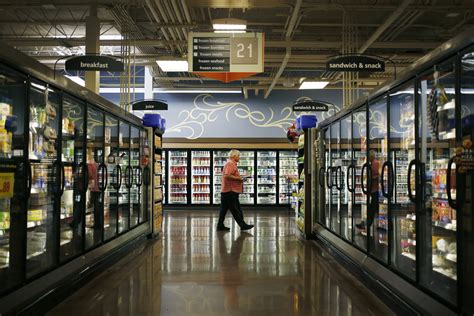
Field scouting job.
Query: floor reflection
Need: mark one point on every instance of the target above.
(195, 270)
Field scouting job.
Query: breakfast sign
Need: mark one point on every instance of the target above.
(225, 56)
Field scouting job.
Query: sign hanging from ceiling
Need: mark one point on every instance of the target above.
(311, 106)
(225, 56)
(356, 63)
(149, 105)
(94, 63)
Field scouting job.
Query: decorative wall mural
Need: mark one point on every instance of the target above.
(207, 108)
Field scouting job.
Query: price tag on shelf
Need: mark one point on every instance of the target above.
(7, 181)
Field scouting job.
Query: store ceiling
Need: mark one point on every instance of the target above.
(400, 30)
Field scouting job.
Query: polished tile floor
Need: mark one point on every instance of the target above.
(195, 270)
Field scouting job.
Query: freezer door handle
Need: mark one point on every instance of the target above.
(365, 166)
(339, 178)
(139, 177)
(350, 175)
(389, 194)
(146, 176)
(85, 173)
(63, 179)
(321, 177)
(118, 175)
(103, 169)
(129, 172)
(29, 182)
(459, 191)
(329, 177)
(410, 168)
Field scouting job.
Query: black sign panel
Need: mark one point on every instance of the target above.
(211, 54)
(356, 63)
(94, 63)
(150, 105)
(311, 106)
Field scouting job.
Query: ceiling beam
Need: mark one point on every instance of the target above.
(316, 44)
(385, 25)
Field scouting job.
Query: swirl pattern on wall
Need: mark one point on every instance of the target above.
(207, 109)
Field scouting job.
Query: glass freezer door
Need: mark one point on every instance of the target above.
(200, 177)
(402, 151)
(71, 209)
(345, 201)
(377, 211)
(266, 177)
(246, 168)
(335, 170)
(12, 175)
(178, 177)
(125, 177)
(95, 174)
(219, 159)
(288, 176)
(111, 152)
(359, 152)
(44, 173)
(438, 143)
(135, 177)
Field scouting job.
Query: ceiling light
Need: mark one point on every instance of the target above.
(173, 65)
(229, 25)
(185, 90)
(77, 80)
(313, 85)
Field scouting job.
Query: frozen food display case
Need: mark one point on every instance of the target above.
(200, 177)
(288, 176)
(409, 181)
(63, 194)
(247, 170)
(266, 177)
(177, 177)
(220, 157)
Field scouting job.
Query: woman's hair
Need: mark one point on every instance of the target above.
(234, 153)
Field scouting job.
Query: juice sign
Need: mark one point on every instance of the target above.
(7, 181)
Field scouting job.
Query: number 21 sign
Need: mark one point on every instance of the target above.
(225, 56)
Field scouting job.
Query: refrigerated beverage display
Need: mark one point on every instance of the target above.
(219, 159)
(300, 193)
(200, 177)
(71, 206)
(177, 177)
(288, 173)
(246, 169)
(266, 177)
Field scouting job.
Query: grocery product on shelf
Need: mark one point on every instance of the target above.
(177, 177)
(266, 177)
(288, 176)
(201, 177)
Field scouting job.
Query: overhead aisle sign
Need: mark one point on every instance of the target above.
(225, 56)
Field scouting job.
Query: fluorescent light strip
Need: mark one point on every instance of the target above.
(219, 26)
(142, 90)
(306, 85)
(229, 31)
(173, 65)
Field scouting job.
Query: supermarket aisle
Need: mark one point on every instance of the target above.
(195, 270)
